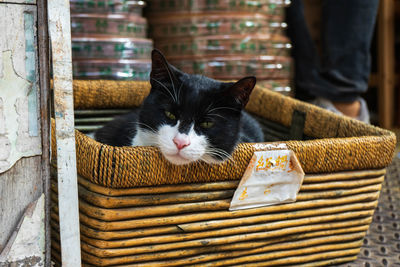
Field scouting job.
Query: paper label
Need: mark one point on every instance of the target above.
(272, 177)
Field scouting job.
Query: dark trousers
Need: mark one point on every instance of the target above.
(341, 73)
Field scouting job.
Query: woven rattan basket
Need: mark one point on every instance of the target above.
(138, 209)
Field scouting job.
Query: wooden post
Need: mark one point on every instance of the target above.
(60, 36)
(44, 72)
(386, 63)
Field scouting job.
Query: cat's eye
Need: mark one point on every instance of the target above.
(207, 124)
(170, 115)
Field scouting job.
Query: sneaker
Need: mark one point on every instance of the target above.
(328, 105)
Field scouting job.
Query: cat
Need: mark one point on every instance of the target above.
(188, 117)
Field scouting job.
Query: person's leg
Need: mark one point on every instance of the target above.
(307, 75)
(343, 75)
(347, 32)
(304, 53)
(346, 37)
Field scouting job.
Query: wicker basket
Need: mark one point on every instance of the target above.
(138, 209)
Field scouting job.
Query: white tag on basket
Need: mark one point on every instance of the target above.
(272, 177)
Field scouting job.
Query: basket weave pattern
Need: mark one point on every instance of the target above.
(342, 144)
(138, 209)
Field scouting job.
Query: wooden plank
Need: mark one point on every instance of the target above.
(44, 84)
(386, 56)
(21, 184)
(32, 2)
(60, 35)
(18, 187)
(26, 246)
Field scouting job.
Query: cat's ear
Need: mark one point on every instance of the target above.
(242, 89)
(160, 69)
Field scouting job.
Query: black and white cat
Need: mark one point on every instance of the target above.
(188, 117)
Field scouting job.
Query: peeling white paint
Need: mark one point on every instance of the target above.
(12, 36)
(15, 141)
(29, 241)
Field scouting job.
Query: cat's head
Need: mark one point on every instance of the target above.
(192, 117)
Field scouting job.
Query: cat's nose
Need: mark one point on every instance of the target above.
(181, 141)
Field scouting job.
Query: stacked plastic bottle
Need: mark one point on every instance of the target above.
(109, 40)
(225, 39)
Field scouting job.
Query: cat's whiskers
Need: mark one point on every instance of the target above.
(216, 115)
(173, 96)
(179, 91)
(209, 106)
(210, 160)
(219, 108)
(161, 143)
(219, 156)
(219, 153)
(209, 111)
(147, 127)
(223, 153)
(172, 81)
